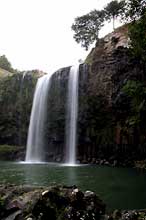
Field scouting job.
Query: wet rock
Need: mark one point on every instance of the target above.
(117, 214)
(58, 159)
(133, 214)
(57, 203)
(84, 161)
(101, 162)
(106, 163)
(89, 194)
(115, 162)
(14, 215)
(93, 161)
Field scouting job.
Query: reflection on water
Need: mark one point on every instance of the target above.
(70, 165)
(72, 176)
(118, 187)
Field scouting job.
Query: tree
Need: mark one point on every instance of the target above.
(87, 27)
(135, 9)
(136, 13)
(137, 34)
(5, 64)
(113, 10)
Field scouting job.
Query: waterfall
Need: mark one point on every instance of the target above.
(72, 113)
(35, 140)
(38, 128)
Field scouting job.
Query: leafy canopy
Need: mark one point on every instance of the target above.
(137, 34)
(136, 13)
(113, 10)
(135, 9)
(87, 27)
(5, 64)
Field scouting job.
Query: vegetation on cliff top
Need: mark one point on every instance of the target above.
(133, 11)
(5, 64)
(87, 27)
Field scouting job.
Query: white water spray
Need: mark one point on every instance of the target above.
(72, 114)
(35, 140)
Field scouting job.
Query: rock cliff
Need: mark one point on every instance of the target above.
(16, 95)
(112, 107)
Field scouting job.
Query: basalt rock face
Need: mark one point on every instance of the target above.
(109, 108)
(56, 116)
(55, 132)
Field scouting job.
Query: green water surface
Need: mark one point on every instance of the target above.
(121, 188)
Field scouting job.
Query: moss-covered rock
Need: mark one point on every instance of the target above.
(9, 152)
(16, 95)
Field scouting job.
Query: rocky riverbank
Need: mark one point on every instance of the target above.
(57, 203)
(54, 203)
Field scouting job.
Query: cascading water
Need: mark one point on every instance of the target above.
(35, 140)
(72, 113)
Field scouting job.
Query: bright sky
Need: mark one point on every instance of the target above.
(36, 34)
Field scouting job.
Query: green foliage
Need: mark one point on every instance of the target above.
(5, 64)
(137, 34)
(137, 94)
(135, 89)
(87, 27)
(136, 13)
(9, 152)
(135, 9)
(8, 149)
(16, 94)
(113, 10)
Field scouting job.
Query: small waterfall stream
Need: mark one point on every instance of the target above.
(35, 140)
(72, 114)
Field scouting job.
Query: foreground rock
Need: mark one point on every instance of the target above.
(127, 215)
(54, 203)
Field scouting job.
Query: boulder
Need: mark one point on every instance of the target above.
(55, 203)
